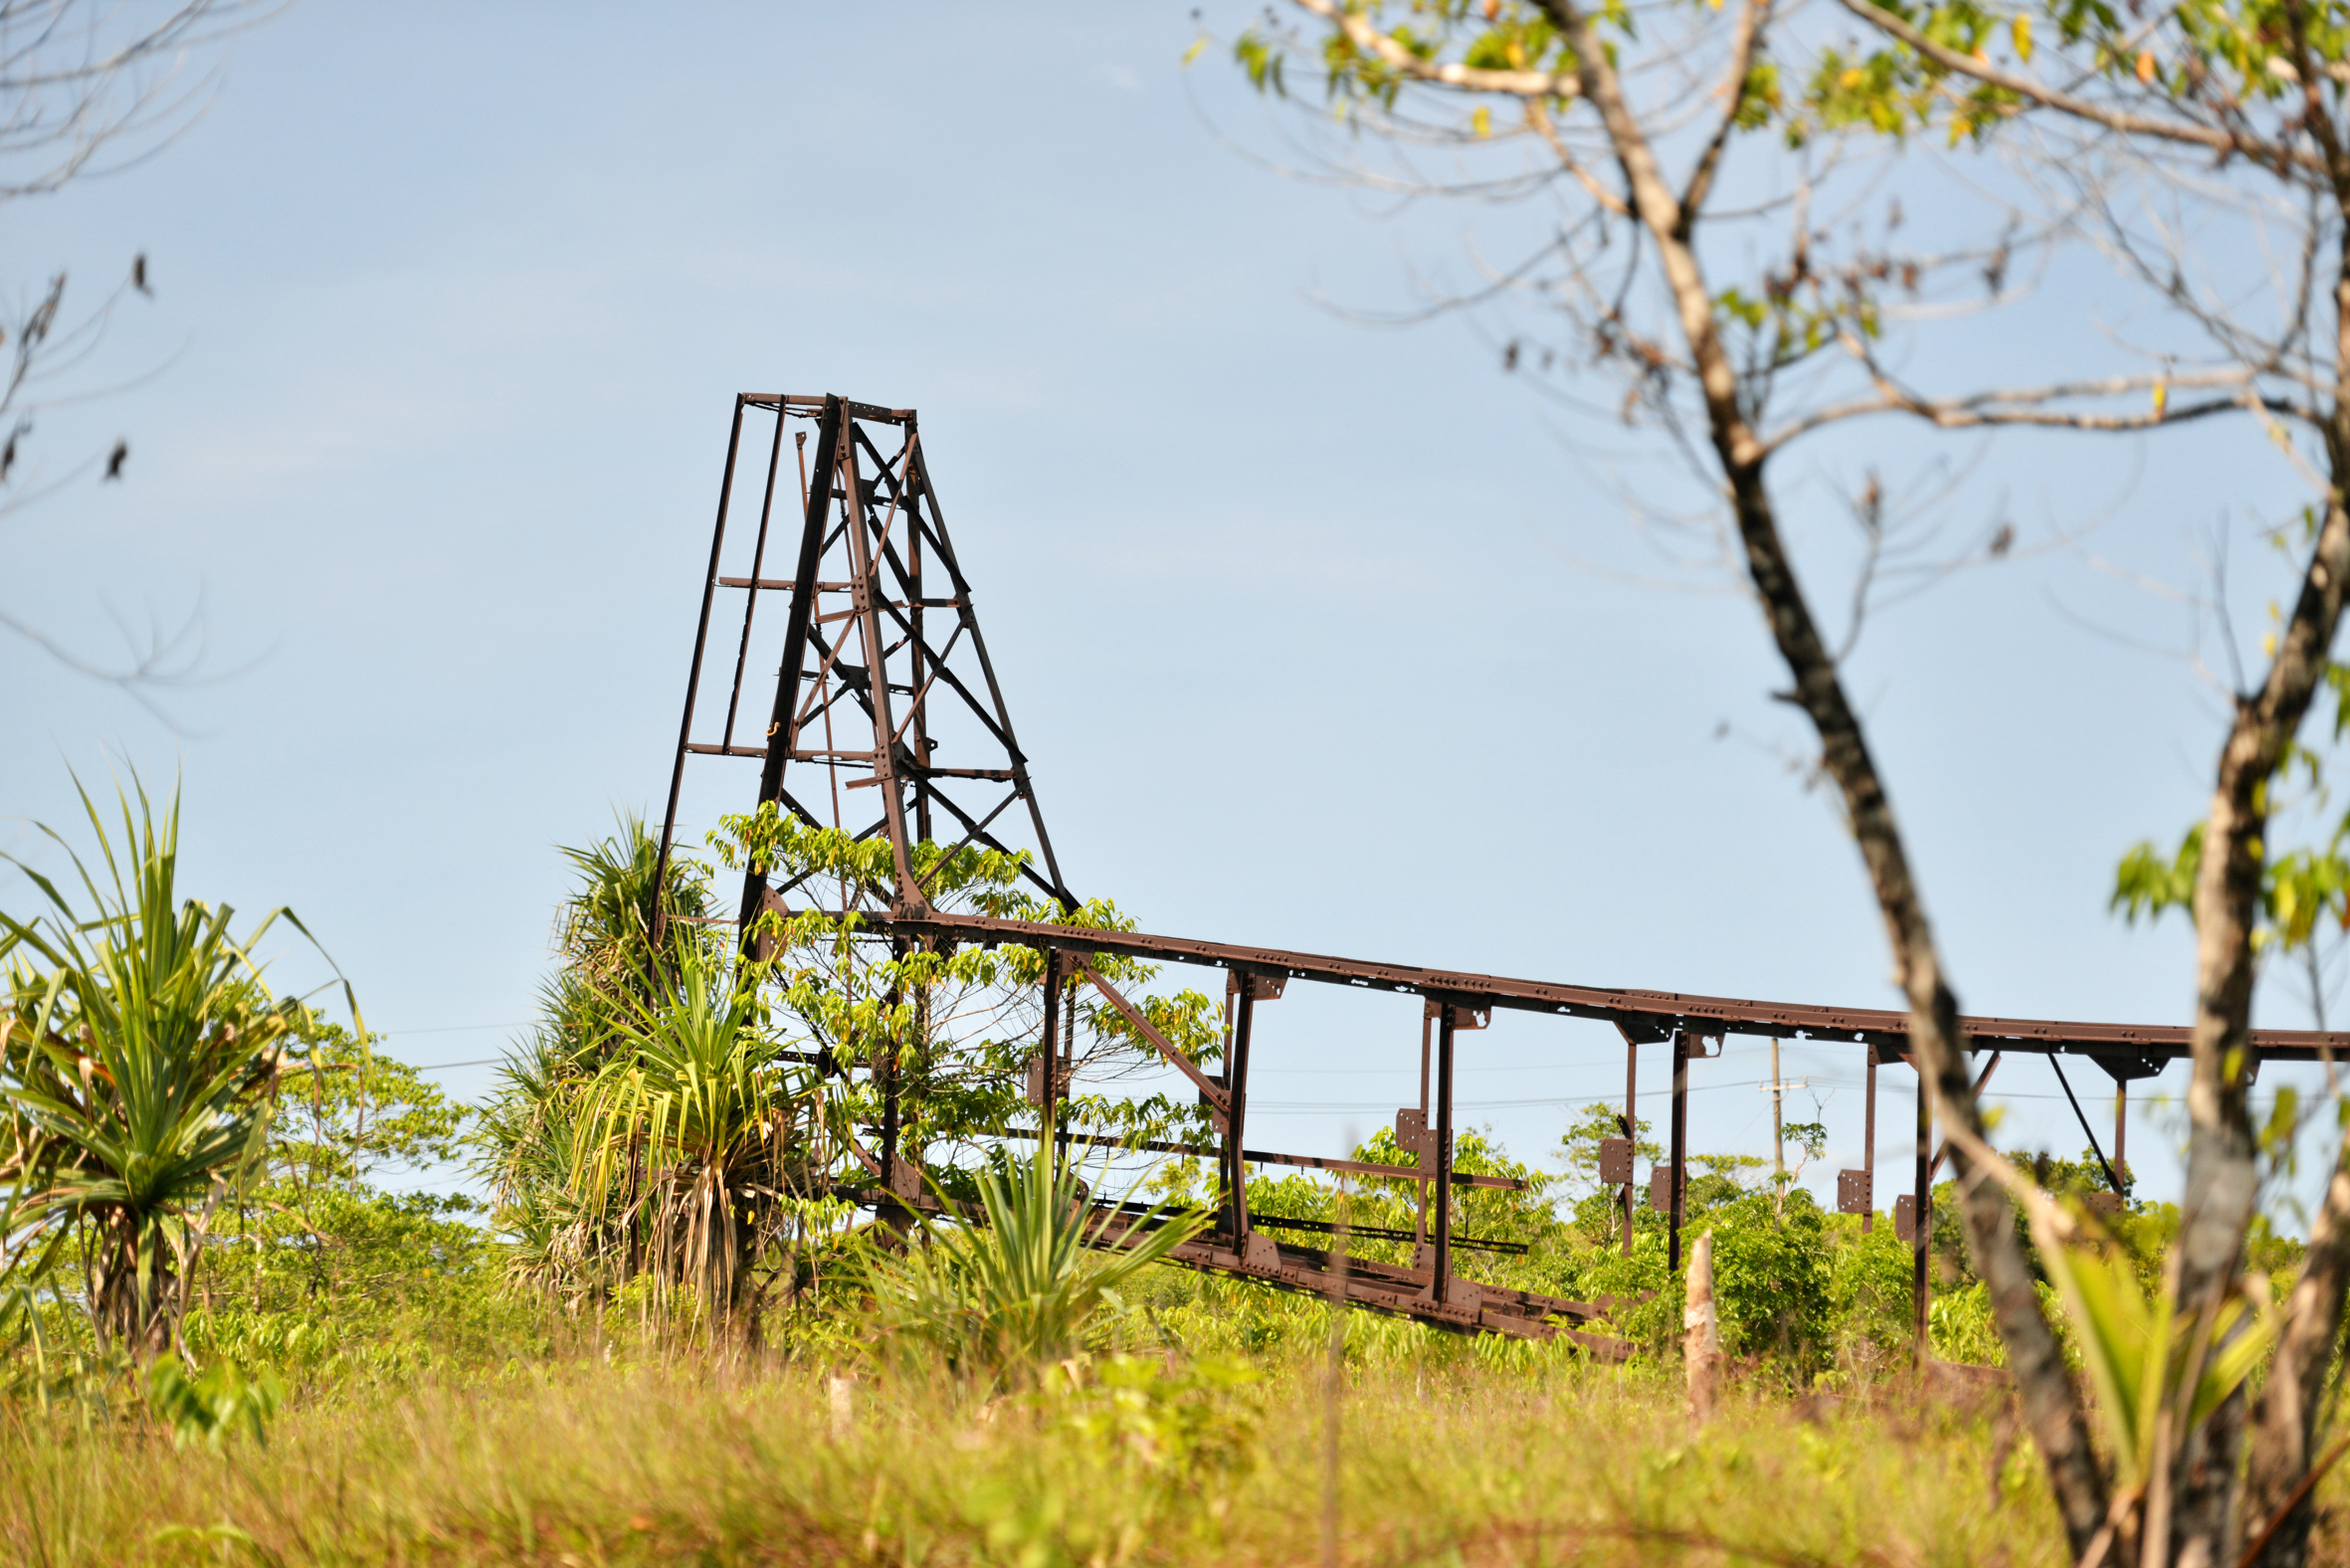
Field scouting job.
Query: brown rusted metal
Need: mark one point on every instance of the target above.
(1922, 1237)
(1631, 1134)
(1319, 1162)
(863, 683)
(1659, 1013)
(1868, 1150)
(1440, 1237)
(1678, 1193)
(702, 634)
(1856, 1193)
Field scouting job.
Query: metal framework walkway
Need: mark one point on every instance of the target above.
(882, 667)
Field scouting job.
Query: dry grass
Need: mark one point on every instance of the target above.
(591, 1465)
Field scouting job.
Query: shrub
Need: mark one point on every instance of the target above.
(1869, 1283)
(1771, 1281)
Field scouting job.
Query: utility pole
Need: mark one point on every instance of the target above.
(1777, 1089)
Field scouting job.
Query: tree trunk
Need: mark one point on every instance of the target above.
(2221, 1170)
(2285, 1429)
(1702, 1345)
(2057, 1422)
(131, 1310)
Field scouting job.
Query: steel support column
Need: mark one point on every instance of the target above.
(1868, 1152)
(1678, 1189)
(1922, 1242)
(1631, 1133)
(1419, 1218)
(1068, 1044)
(1237, 1071)
(1048, 1050)
(702, 637)
(2122, 1132)
(886, 1070)
(1441, 1252)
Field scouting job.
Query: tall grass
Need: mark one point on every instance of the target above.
(591, 1464)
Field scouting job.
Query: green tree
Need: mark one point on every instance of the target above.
(2218, 122)
(336, 1257)
(691, 1107)
(2126, 115)
(999, 1300)
(139, 1060)
(1738, 326)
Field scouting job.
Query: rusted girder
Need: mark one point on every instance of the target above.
(1653, 1014)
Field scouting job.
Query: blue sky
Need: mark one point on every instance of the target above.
(1297, 615)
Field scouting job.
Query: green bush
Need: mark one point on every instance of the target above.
(1869, 1283)
(1771, 1282)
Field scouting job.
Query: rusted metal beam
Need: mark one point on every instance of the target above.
(1159, 1041)
(1441, 1239)
(1236, 1159)
(1658, 1012)
(1868, 1154)
(1676, 1199)
(1382, 1232)
(1922, 1225)
(702, 634)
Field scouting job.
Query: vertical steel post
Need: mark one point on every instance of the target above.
(918, 721)
(1420, 1220)
(702, 634)
(1225, 1144)
(1679, 1185)
(1778, 1125)
(886, 1070)
(750, 601)
(2121, 1128)
(1868, 1154)
(1632, 1132)
(1237, 1067)
(1922, 1237)
(783, 729)
(1068, 1049)
(866, 595)
(1443, 1249)
(1049, 1049)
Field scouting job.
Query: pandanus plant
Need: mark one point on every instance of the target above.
(999, 1301)
(140, 1056)
(695, 1119)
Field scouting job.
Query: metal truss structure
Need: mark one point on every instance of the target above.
(884, 685)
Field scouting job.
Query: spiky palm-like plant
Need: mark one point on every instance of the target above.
(568, 1237)
(532, 1136)
(999, 1301)
(605, 929)
(698, 1103)
(138, 1060)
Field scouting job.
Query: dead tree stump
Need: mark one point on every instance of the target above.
(1702, 1344)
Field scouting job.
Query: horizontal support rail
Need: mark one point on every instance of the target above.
(1097, 1140)
(1380, 1232)
(1652, 1015)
